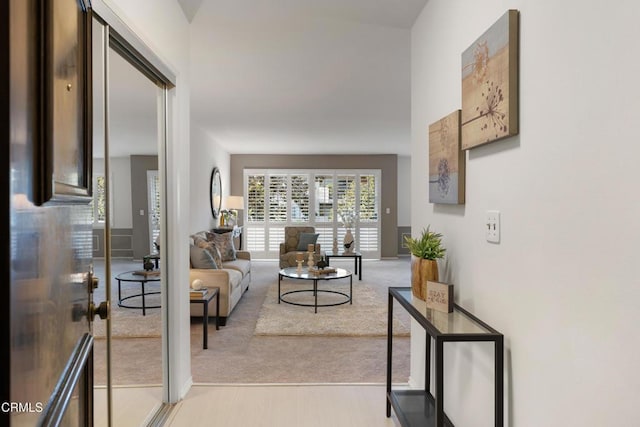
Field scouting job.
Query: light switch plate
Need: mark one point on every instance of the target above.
(492, 226)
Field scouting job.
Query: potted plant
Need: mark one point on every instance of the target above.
(425, 250)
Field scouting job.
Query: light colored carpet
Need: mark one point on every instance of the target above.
(365, 317)
(236, 355)
(127, 322)
(130, 323)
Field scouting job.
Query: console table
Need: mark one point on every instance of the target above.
(420, 407)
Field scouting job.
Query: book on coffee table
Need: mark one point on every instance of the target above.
(151, 273)
(319, 271)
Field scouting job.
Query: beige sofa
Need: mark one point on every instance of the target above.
(233, 279)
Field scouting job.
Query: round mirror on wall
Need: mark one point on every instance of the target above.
(215, 192)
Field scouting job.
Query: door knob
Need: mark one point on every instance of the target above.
(101, 310)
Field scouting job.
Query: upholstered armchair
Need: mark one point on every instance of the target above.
(290, 247)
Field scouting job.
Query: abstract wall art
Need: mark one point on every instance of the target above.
(446, 161)
(490, 84)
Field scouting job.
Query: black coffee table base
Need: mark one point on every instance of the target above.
(315, 292)
(292, 274)
(131, 276)
(143, 306)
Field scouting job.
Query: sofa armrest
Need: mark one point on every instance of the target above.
(213, 278)
(243, 255)
(210, 277)
(282, 249)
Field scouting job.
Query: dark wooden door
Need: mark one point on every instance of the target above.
(46, 253)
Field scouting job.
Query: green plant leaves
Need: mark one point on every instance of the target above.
(427, 246)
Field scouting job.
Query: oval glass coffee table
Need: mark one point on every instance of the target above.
(304, 274)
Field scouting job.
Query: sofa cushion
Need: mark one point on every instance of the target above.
(306, 239)
(241, 265)
(235, 277)
(224, 243)
(201, 258)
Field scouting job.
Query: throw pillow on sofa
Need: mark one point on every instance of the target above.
(213, 251)
(307, 239)
(224, 243)
(201, 258)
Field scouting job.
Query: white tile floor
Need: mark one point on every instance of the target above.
(287, 405)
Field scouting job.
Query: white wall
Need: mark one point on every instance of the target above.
(404, 191)
(563, 283)
(164, 28)
(205, 154)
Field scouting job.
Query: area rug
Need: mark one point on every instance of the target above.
(129, 322)
(366, 317)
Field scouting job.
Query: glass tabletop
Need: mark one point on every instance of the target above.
(292, 272)
(342, 253)
(457, 322)
(139, 276)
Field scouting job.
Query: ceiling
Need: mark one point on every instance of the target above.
(284, 76)
(133, 112)
(302, 76)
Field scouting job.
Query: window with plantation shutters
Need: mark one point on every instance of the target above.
(100, 207)
(98, 203)
(322, 199)
(346, 194)
(255, 198)
(255, 238)
(325, 237)
(278, 198)
(299, 198)
(368, 211)
(153, 197)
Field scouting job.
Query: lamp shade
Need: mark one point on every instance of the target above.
(234, 202)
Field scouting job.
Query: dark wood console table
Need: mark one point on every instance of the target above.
(420, 407)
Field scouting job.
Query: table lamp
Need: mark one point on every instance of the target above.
(233, 204)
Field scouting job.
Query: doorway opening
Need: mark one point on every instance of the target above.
(130, 139)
